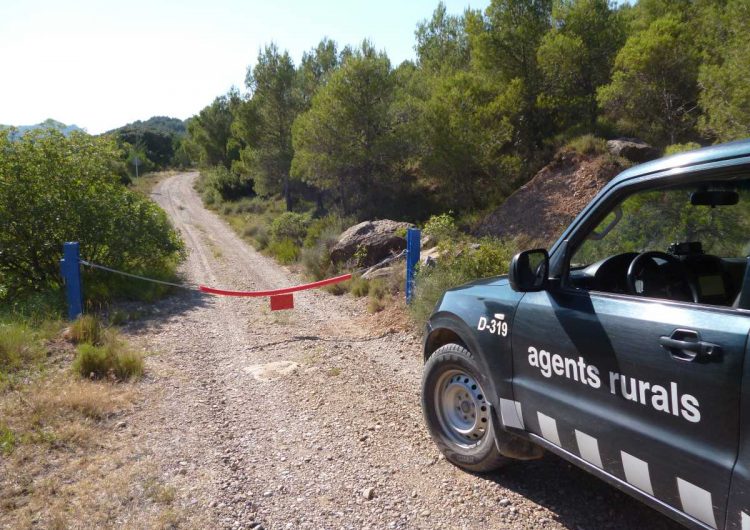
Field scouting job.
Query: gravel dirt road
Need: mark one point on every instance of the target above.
(310, 418)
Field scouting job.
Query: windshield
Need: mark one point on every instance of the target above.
(655, 219)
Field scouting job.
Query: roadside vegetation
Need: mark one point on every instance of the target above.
(65, 387)
(491, 97)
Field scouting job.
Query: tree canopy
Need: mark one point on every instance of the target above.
(489, 97)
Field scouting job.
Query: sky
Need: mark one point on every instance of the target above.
(101, 64)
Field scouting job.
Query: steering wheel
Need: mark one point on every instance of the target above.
(672, 282)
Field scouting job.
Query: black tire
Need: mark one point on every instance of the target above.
(456, 411)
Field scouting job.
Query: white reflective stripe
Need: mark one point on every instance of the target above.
(548, 427)
(588, 447)
(636, 473)
(510, 413)
(696, 502)
(745, 521)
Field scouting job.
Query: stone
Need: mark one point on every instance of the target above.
(427, 242)
(633, 149)
(370, 241)
(385, 272)
(368, 493)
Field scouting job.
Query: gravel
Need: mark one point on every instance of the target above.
(310, 418)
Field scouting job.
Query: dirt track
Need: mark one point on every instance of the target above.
(310, 418)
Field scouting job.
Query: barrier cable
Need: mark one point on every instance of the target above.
(272, 292)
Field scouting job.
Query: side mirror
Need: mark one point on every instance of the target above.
(529, 271)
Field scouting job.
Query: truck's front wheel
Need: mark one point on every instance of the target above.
(457, 412)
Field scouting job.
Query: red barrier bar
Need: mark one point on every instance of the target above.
(274, 292)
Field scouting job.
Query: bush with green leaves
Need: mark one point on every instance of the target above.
(442, 227)
(284, 250)
(458, 264)
(220, 180)
(322, 235)
(55, 189)
(290, 225)
(680, 148)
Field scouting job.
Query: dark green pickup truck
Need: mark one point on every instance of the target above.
(622, 350)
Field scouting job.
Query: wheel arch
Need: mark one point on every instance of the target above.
(445, 328)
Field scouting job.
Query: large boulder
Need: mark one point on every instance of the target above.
(377, 239)
(632, 149)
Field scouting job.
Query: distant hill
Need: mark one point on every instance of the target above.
(46, 124)
(153, 141)
(158, 124)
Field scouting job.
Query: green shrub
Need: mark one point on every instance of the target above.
(112, 360)
(326, 228)
(359, 287)
(680, 148)
(441, 227)
(291, 226)
(86, 330)
(336, 289)
(100, 287)
(226, 184)
(378, 291)
(322, 235)
(256, 205)
(34, 308)
(285, 251)
(459, 264)
(588, 144)
(262, 237)
(211, 197)
(54, 189)
(19, 346)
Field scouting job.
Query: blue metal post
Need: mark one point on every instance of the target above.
(413, 242)
(71, 271)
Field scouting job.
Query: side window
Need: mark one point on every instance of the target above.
(685, 243)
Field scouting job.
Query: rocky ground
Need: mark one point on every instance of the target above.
(310, 418)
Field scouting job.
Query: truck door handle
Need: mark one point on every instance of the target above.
(685, 345)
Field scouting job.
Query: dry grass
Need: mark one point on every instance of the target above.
(146, 183)
(86, 329)
(109, 357)
(69, 456)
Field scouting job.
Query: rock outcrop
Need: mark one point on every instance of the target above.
(538, 212)
(632, 149)
(373, 240)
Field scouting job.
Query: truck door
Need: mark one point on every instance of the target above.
(642, 384)
(592, 377)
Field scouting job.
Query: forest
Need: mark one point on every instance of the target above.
(489, 99)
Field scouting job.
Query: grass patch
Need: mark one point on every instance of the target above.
(379, 293)
(160, 493)
(146, 183)
(359, 286)
(285, 251)
(19, 347)
(86, 329)
(588, 144)
(113, 360)
(7, 440)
